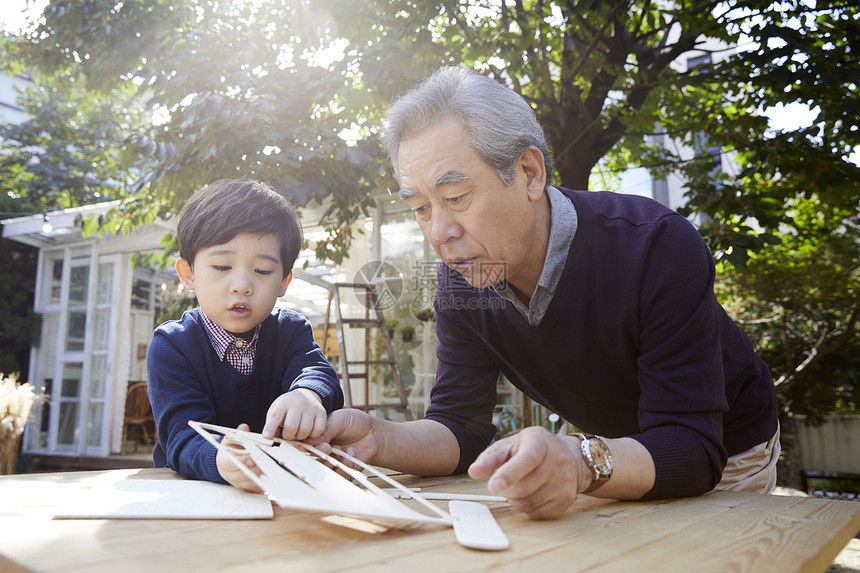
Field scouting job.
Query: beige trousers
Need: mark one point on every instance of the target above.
(753, 470)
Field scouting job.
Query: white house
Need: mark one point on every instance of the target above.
(10, 111)
(97, 316)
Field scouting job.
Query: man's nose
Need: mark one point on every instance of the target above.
(443, 226)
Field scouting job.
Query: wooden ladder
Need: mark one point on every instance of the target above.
(372, 320)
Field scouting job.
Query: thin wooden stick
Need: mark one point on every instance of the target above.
(445, 496)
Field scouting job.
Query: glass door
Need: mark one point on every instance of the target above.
(49, 300)
(67, 407)
(77, 301)
(99, 356)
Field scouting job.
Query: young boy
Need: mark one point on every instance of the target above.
(233, 361)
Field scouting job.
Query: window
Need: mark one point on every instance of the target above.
(141, 294)
(700, 60)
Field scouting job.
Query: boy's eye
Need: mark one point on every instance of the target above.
(264, 272)
(221, 267)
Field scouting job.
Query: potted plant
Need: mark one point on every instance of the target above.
(425, 314)
(391, 325)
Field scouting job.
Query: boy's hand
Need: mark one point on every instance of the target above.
(299, 412)
(233, 474)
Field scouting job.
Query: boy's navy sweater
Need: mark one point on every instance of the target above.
(187, 381)
(634, 343)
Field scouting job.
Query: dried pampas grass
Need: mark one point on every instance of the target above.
(16, 402)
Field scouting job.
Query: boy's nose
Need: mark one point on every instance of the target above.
(241, 285)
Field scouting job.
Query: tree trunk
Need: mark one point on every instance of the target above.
(573, 171)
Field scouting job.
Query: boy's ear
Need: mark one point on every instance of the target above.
(186, 274)
(284, 284)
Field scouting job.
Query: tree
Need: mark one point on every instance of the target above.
(784, 222)
(234, 92)
(20, 325)
(799, 55)
(66, 153)
(593, 70)
(800, 301)
(267, 90)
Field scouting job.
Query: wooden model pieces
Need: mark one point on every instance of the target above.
(296, 479)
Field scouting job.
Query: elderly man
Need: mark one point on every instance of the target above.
(598, 306)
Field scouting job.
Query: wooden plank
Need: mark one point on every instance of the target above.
(722, 531)
(760, 534)
(597, 532)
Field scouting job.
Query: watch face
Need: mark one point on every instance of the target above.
(601, 457)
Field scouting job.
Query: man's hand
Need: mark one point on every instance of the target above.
(233, 474)
(420, 447)
(299, 412)
(537, 471)
(352, 431)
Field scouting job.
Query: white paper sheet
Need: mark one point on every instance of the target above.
(163, 499)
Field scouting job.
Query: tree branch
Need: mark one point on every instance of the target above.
(827, 343)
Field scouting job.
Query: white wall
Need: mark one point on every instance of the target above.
(10, 111)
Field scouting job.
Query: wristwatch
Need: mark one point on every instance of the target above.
(599, 459)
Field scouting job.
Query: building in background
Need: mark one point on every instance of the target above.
(10, 111)
(670, 190)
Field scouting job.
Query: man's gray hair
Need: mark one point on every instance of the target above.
(500, 123)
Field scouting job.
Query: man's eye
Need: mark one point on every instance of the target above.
(460, 201)
(421, 211)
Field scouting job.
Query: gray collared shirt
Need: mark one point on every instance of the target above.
(563, 226)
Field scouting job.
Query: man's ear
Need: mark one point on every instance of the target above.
(532, 163)
(285, 283)
(186, 274)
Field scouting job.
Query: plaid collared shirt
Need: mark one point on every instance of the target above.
(238, 352)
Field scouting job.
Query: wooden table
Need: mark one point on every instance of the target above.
(722, 531)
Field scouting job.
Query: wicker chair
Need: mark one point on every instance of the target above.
(138, 414)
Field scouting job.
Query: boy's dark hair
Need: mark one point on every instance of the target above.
(218, 212)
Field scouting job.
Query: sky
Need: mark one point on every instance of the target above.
(13, 15)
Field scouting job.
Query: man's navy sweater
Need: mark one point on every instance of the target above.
(634, 343)
(187, 381)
